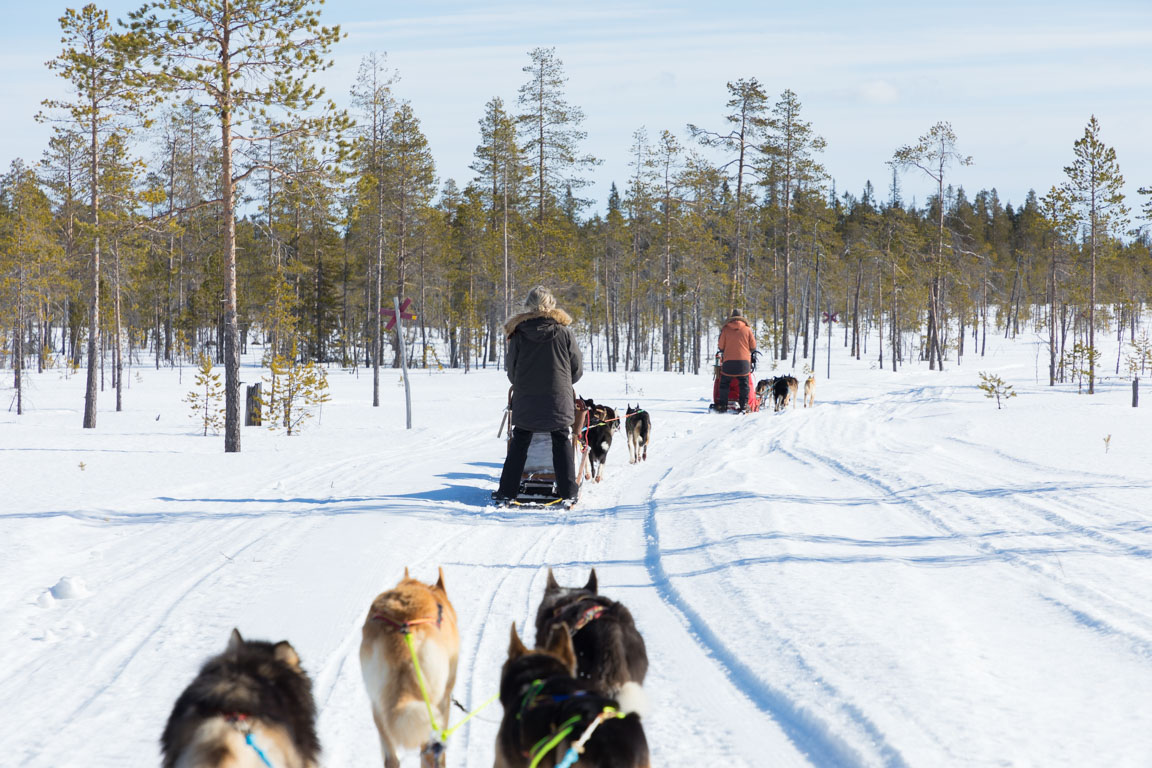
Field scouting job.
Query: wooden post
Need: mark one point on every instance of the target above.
(403, 361)
(1135, 391)
(252, 402)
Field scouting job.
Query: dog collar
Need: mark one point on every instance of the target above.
(589, 614)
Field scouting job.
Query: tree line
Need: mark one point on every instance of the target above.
(198, 194)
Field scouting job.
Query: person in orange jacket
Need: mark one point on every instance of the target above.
(736, 343)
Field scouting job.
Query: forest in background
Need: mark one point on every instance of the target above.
(197, 195)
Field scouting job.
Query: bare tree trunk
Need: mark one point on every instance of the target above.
(232, 420)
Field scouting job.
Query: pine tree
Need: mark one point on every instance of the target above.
(994, 387)
(297, 390)
(246, 57)
(1095, 191)
(95, 62)
(205, 400)
(790, 149)
(749, 104)
(372, 97)
(550, 128)
(933, 154)
(29, 259)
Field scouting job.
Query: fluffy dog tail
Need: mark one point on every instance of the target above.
(631, 698)
(409, 721)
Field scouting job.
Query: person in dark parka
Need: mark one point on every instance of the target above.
(543, 363)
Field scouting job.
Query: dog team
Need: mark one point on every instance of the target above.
(596, 437)
(783, 389)
(573, 698)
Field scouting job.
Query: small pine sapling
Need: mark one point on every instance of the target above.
(206, 401)
(994, 386)
(297, 389)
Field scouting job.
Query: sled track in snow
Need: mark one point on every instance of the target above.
(808, 732)
(1087, 617)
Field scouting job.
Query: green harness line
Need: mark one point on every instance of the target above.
(442, 733)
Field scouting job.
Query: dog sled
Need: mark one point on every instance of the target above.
(732, 397)
(538, 480)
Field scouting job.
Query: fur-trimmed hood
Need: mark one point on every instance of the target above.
(557, 314)
(738, 319)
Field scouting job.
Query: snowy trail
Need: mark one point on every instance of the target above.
(900, 576)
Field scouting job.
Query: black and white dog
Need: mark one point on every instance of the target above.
(638, 428)
(602, 422)
(610, 652)
(552, 717)
(250, 706)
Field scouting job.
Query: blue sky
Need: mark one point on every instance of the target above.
(1017, 80)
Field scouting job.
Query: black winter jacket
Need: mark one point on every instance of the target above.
(543, 364)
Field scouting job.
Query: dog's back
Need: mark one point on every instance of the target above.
(398, 707)
(638, 426)
(602, 423)
(793, 389)
(249, 705)
(542, 700)
(609, 649)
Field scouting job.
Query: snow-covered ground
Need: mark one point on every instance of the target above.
(903, 575)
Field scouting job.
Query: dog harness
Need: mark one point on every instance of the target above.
(239, 721)
(406, 626)
(550, 742)
(586, 616)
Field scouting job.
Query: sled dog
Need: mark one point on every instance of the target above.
(638, 428)
(542, 700)
(602, 422)
(398, 706)
(611, 652)
(810, 392)
(784, 392)
(248, 707)
(764, 389)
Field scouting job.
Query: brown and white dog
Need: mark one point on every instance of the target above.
(248, 707)
(542, 700)
(398, 707)
(810, 392)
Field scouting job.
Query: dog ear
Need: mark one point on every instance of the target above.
(516, 647)
(235, 642)
(551, 585)
(591, 585)
(560, 645)
(283, 651)
(440, 581)
(406, 576)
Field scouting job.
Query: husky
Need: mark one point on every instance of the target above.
(763, 389)
(638, 428)
(610, 649)
(602, 423)
(398, 706)
(810, 392)
(249, 707)
(784, 392)
(542, 701)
